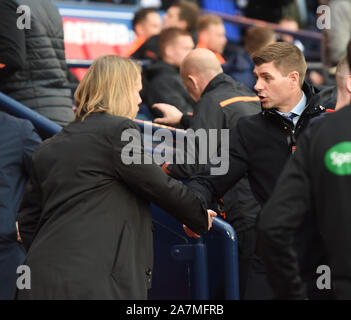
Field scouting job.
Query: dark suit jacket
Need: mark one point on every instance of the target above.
(89, 213)
(17, 142)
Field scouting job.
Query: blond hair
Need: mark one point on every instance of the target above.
(108, 87)
(286, 57)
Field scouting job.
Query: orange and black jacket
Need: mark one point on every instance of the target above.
(223, 102)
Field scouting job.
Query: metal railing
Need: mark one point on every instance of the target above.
(249, 22)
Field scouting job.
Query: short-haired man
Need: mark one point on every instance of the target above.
(314, 187)
(290, 24)
(181, 14)
(240, 65)
(220, 103)
(212, 35)
(163, 82)
(261, 144)
(146, 23)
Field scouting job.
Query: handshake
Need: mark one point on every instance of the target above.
(192, 234)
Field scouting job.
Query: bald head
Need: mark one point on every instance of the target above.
(201, 62)
(198, 68)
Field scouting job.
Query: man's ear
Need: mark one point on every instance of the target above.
(348, 84)
(295, 78)
(182, 24)
(139, 30)
(193, 81)
(167, 52)
(202, 38)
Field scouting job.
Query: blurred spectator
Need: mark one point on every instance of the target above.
(33, 67)
(343, 82)
(334, 41)
(181, 14)
(271, 11)
(163, 80)
(240, 66)
(336, 38)
(146, 23)
(212, 35)
(221, 102)
(17, 142)
(291, 25)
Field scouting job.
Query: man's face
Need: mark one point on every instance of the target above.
(216, 37)
(152, 25)
(289, 25)
(273, 88)
(180, 49)
(171, 18)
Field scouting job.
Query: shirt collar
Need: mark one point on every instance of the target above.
(299, 108)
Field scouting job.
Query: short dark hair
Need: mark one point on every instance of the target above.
(189, 12)
(285, 56)
(141, 15)
(168, 36)
(257, 38)
(208, 19)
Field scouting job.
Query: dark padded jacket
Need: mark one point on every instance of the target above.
(38, 78)
(315, 185)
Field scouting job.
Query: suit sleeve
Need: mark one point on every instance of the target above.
(30, 211)
(136, 169)
(279, 222)
(211, 187)
(31, 140)
(209, 117)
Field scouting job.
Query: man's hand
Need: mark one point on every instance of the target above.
(171, 115)
(192, 234)
(19, 239)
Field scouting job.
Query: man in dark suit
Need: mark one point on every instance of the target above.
(17, 142)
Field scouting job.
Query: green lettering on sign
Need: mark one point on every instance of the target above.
(338, 159)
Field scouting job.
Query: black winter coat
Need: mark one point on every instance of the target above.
(315, 185)
(260, 146)
(86, 219)
(38, 75)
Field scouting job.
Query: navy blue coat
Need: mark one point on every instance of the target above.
(17, 142)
